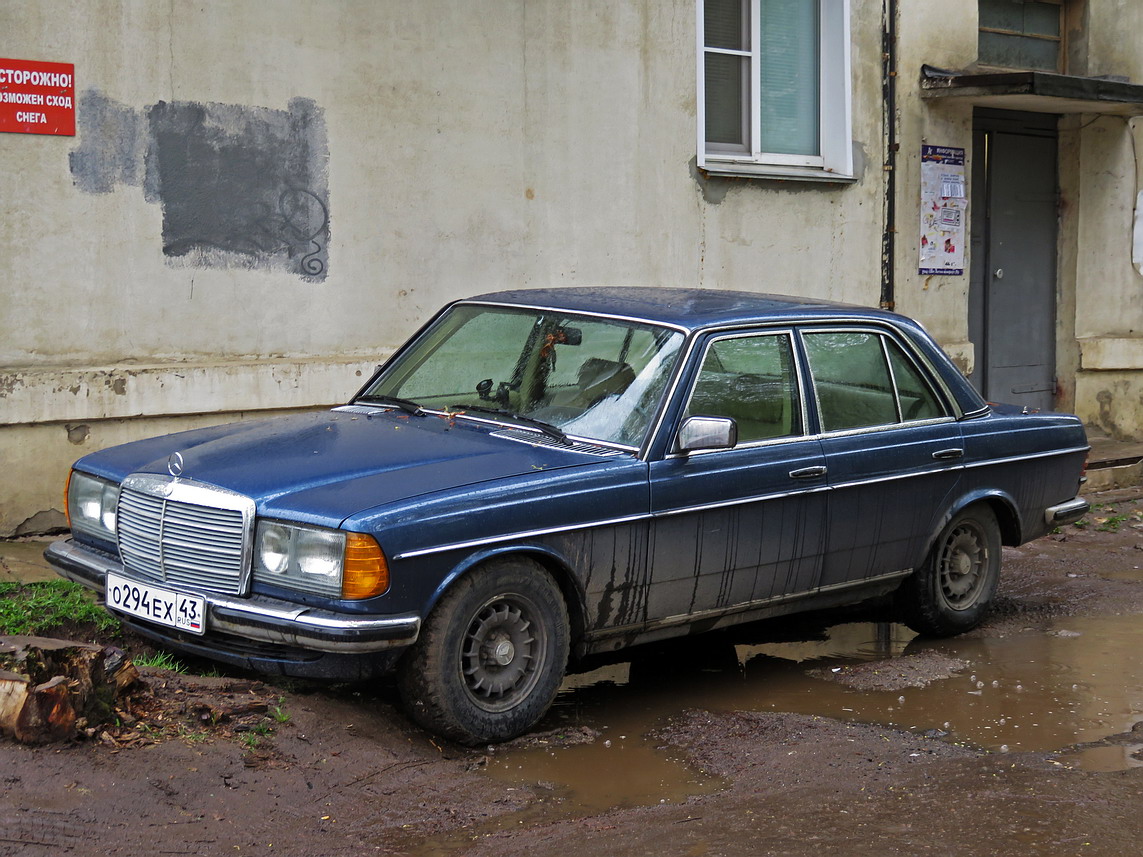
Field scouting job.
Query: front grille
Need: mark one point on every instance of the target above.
(171, 532)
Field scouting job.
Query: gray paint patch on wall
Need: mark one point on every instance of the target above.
(239, 186)
(113, 141)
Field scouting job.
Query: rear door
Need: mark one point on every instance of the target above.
(892, 448)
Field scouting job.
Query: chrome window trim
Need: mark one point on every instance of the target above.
(798, 327)
(633, 319)
(819, 436)
(934, 421)
(883, 329)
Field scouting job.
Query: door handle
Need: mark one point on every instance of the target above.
(948, 454)
(808, 472)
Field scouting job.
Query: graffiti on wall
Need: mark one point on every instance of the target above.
(239, 186)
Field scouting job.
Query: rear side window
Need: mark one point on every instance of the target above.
(863, 379)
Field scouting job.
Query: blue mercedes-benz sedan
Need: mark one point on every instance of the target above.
(542, 475)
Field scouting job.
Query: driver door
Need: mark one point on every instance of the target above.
(742, 525)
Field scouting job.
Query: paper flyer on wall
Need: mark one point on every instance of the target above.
(944, 201)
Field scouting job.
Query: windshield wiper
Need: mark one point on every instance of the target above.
(406, 405)
(547, 428)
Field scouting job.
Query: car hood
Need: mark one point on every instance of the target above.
(323, 468)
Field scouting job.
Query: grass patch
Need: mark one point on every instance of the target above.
(160, 660)
(38, 609)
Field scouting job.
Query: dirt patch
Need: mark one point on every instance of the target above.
(231, 765)
(219, 766)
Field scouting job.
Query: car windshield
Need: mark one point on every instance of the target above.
(593, 378)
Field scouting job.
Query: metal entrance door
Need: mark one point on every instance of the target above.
(1012, 299)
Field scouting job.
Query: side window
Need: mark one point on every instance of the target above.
(751, 380)
(855, 386)
(851, 379)
(918, 402)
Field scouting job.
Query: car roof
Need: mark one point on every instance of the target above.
(690, 309)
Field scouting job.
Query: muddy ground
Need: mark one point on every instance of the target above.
(231, 765)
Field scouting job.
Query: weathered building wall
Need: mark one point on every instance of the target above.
(1099, 347)
(259, 205)
(1107, 178)
(939, 301)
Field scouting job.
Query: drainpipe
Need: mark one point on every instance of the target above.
(889, 113)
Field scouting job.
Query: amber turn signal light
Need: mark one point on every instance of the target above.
(366, 571)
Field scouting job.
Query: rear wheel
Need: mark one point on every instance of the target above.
(952, 590)
(490, 656)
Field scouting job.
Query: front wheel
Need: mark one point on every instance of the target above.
(490, 656)
(952, 590)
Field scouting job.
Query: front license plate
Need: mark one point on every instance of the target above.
(161, 606)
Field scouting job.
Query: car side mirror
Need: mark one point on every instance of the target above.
(698, 433)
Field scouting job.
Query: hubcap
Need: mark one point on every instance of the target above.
(963, 566)
(502, 653)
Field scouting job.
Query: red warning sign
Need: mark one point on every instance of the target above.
(37, 97)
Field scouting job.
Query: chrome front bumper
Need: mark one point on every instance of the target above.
(262, 619)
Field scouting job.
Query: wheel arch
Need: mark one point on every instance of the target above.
(549, 560)
(1003, 508)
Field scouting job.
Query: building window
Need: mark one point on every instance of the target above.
(774, 88)
(1022, 34)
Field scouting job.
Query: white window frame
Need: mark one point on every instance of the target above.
(835, 161)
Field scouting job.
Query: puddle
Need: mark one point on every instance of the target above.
(1080, 682)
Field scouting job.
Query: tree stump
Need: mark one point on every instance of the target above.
(49, 688)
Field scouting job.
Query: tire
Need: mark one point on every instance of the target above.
(490, 656)
(952, 590)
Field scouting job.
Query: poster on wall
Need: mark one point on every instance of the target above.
(37, 97)
(944, 201)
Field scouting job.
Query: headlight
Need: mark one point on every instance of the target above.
(319, 561)
(91, 504)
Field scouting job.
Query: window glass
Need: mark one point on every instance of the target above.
(789, 89)
(727, 115)
(468, 347)
(1020, 34)
(750, 380)
(594, 378)
(918, 402)
(851, 380)
(726, 24)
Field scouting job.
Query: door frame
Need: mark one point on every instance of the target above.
(987, 121)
